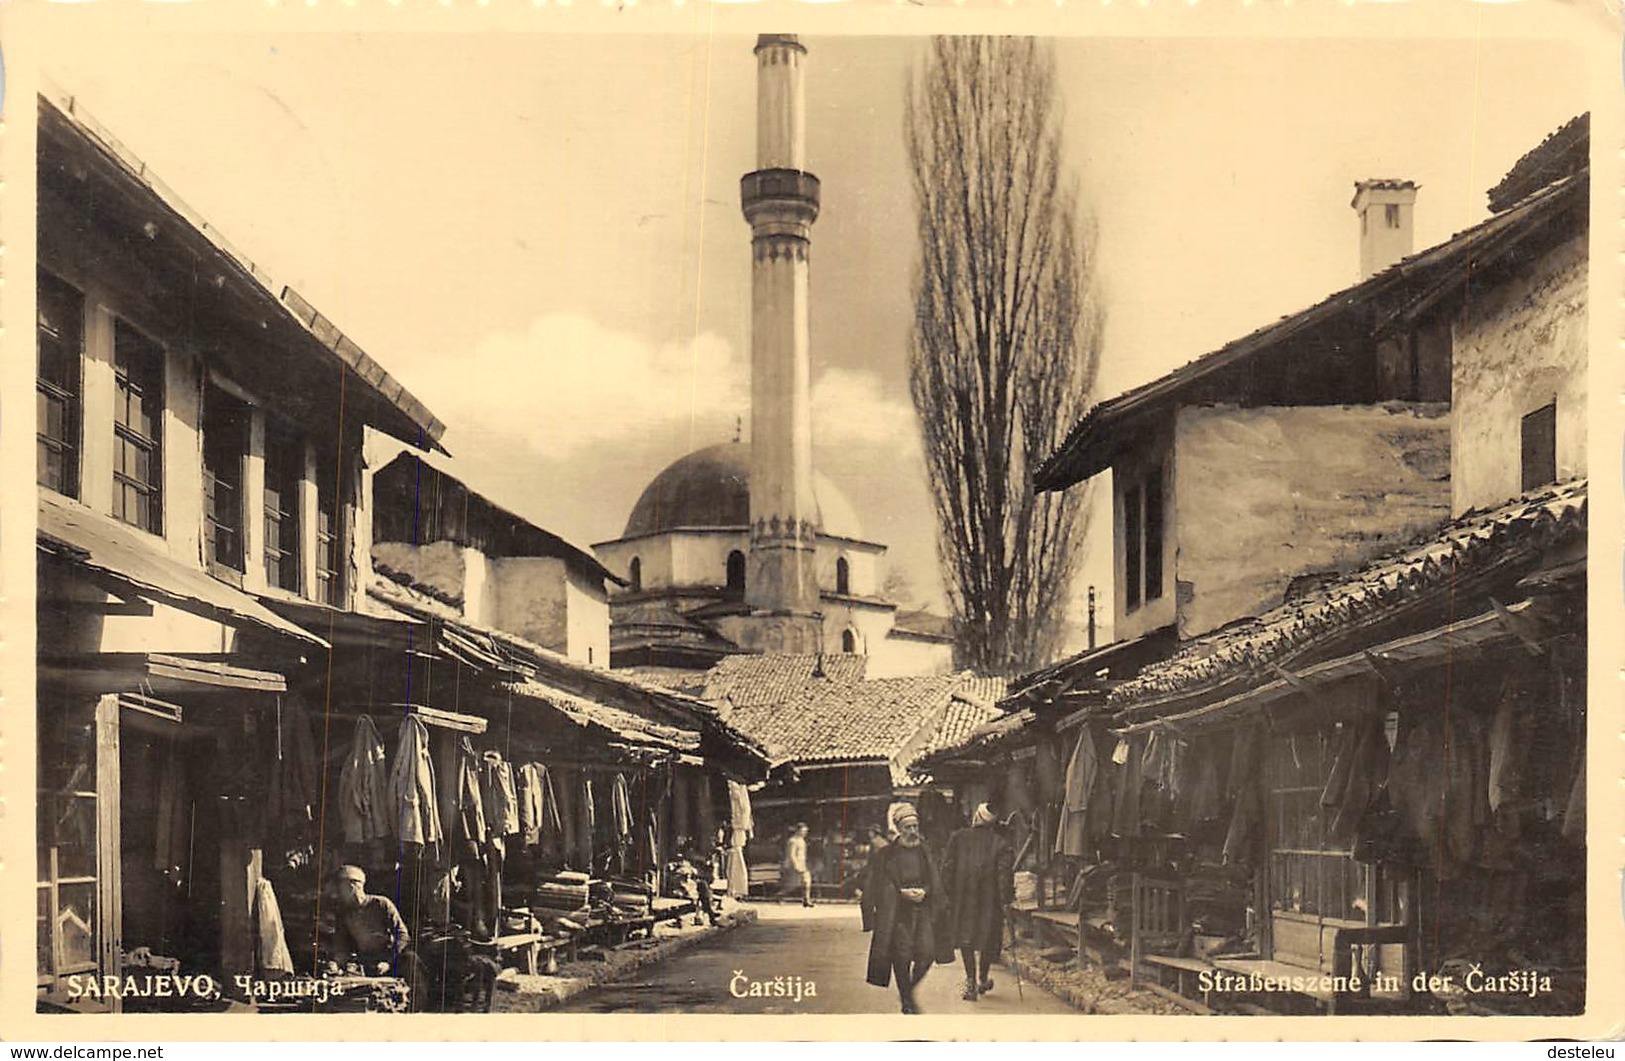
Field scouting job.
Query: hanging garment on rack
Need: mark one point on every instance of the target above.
(739, 816)
(566, 785)
(587, 827)
(1203, 800)
(1126, 817)
(1072, 838)
(271, 954)
(501, 801)
(471, 826)
(411, 785)
(295, 788)
(735, 870)
(528, 787)
(621, 807)
(1358, 774)
(364, 786)
(552, 818)
(1248, 813)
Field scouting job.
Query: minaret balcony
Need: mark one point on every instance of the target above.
(779, 195)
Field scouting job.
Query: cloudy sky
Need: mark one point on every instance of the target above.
(539, 233)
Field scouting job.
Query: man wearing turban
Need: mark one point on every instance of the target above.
(979, 873)
(903, 902)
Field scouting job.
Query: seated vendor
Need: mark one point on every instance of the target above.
(691, 876)
(370, 934)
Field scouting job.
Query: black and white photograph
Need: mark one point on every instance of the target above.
(612, 514)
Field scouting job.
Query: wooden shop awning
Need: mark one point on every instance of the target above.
(1500, 627)
(155, 672)
(121, 558)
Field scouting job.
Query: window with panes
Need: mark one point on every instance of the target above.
(225, 445)
(59, 342)
(284, 468)
(329, 532)
(138, 409)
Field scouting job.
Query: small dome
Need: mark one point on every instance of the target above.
(711, 488)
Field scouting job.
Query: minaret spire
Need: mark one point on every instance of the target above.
(780, 200)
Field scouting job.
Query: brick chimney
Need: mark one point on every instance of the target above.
(1385, 208)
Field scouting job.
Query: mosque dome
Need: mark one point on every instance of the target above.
(711, 488)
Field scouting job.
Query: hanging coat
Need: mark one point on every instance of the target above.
(295, 788)
(471, 827)
(587, 827)
(271, 955)
(500, 799)
(1205, 799)
(739, 808)
(568, 791)
(1358, 772)
(1248, 813)
(532, 803)
(1072, 838)
(620, 799)
(364, 786)
(411, 783)
(1126, 817)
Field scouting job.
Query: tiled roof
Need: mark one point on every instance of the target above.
(1091, 444)
(962, 718)
(1473, 541)
(1562, 153)
(986, 691)
(678, 679)
(876, 720)
(617, 723)
(753, 680)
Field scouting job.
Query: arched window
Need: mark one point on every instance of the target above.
(843, 578)
(736, 572)
(849, 640)
(635, 574)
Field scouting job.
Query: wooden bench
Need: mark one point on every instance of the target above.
(1156, 919)
(1330, 1000)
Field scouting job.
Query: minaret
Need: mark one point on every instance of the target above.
(780, 201)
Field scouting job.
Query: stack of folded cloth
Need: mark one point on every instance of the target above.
(562, 897)
(630, 898)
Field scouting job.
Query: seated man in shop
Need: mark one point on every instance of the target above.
(371, 936)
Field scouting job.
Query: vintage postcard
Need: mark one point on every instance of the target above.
(1020, 521)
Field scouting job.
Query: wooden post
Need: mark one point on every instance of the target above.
(240, 869)
(109, 850)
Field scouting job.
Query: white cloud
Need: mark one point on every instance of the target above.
(568, 383)
(851, 408)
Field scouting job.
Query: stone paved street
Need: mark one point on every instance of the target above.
(825, 947)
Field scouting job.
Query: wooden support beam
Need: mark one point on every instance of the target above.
(1520, 627)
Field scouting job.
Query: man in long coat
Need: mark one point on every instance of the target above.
(979, 873)
(904, 901)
